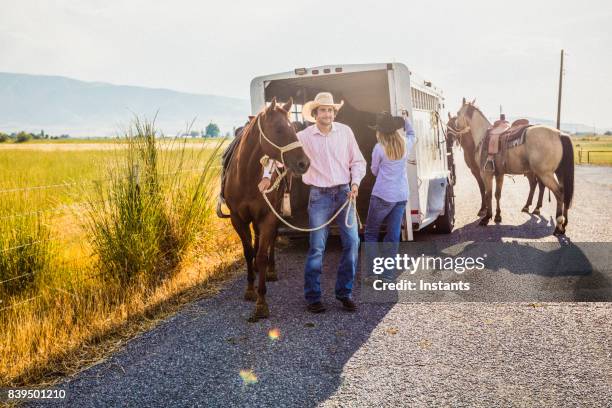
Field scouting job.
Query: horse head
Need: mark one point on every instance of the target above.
(464, 115)
(279, 140)
(452, 134)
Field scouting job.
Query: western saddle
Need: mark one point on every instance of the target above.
(499, 138)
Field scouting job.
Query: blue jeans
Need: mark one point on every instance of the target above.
(322, 204)
(379, 212)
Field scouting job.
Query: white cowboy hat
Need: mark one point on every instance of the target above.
(322, 99)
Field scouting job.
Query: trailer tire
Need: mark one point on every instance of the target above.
(445, 223)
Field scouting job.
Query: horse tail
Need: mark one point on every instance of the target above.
(565, 171)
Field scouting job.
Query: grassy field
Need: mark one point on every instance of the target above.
(596, 149)
(104, 140)
(97, 243)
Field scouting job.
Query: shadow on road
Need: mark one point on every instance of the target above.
(209, 355)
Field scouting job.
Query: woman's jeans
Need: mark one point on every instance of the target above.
(379, 212)
(322, 204)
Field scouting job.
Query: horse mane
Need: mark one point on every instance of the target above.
(246, 131)
(471, 108)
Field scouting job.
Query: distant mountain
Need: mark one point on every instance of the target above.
(61, 105)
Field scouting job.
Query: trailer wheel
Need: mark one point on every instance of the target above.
(444, 224)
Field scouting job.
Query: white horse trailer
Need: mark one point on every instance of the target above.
(368, 89)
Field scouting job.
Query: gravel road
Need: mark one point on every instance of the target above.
(402, 354)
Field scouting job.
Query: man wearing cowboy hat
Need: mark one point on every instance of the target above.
(335, 163)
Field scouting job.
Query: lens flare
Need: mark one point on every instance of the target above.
(274, 334)
(248, 377)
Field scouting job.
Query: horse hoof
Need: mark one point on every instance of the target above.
(253, 318)
(484, 222)
(536, 211)
(261, 310)
(482, 213)
(558, 232)
(250, 295)
(497, 218)
(525, 209)
(271, 276)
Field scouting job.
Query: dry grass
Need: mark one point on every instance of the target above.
(73, 311)
(74, 327)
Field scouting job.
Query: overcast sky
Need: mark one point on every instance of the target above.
(499, 54)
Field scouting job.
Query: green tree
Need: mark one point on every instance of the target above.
(23, 137)
(212, 130)
(3, 137)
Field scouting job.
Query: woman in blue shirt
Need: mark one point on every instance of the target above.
(390, 193)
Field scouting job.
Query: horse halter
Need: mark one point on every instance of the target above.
(459, 133)
(281, 149)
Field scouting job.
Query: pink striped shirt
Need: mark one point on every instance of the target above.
(335, 158)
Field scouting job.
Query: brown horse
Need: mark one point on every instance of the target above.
(546, 152)
(271, 134)
(466, 141)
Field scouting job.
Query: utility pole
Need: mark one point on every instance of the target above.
(559, 98)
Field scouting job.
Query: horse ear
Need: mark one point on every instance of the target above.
(474, 101)
(287, 106)
(463, 103)
(272, 105)
(449, 116)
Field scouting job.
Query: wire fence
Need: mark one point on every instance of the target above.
(601, 156)
(78, 207)
(74, 207)
(95, 181)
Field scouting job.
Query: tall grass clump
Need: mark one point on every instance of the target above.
(153, 208)
(25, 253)
(192, 198)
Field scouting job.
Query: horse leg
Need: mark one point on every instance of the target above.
(256, 246)
(267, 229)
(488, 184)
(550, 182)
(532, 185)
(541, 188)
(481, 187)
(499, 182)
(565, 208)
(271, 274)
(244, 232)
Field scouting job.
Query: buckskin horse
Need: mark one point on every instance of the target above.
(466, 141)
(271, 135)
(542, 150)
